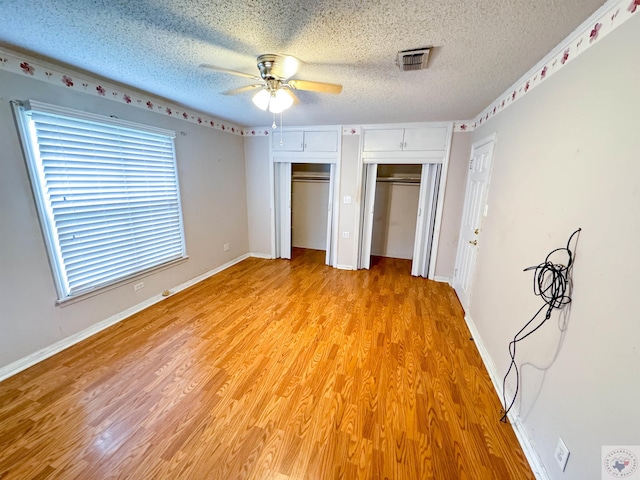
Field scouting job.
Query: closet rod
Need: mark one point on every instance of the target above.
(400, 180)
(309, 178)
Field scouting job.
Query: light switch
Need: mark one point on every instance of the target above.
(347, 199)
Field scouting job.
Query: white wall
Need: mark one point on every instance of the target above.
(258, 198)
(567, 156)
(309, 202)
(348, 213)
(394, 220)
(212, 184)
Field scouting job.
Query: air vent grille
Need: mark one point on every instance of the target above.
(416, 59)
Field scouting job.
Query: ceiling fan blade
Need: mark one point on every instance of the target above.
(226, 70)
(315, 86)
(246, 88)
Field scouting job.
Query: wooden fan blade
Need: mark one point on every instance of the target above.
(246, 88)
(226, 70)
(315, 86)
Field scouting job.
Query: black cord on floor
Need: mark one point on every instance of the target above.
(551, 282)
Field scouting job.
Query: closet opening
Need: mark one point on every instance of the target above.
(310, 196)
(398, 214)
(395, 211)
(305, 218)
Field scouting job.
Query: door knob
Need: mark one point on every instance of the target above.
(475, 242)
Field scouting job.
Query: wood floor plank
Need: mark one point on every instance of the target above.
(269, 370)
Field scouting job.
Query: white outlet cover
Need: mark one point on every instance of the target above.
(562, 454)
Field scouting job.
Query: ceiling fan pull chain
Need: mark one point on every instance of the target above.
(281, 141)
(273, 125)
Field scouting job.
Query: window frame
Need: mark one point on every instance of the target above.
(44, 209)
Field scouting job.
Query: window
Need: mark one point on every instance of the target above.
(107, 195)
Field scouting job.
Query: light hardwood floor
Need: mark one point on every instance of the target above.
(269, 370)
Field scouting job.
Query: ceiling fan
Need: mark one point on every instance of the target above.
(276, 85)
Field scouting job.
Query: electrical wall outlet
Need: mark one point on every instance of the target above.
(138, 286)
(346, 235)
(562, 454)
(226, 247)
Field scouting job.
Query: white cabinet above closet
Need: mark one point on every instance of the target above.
(428, 138)
(405, 142)
(315, 145)
(288, 141)
(390, 140)
(305, 141)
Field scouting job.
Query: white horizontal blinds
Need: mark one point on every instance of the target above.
(113, 199)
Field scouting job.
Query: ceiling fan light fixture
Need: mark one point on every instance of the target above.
(280, 101)
(276, 88)
(262, 99)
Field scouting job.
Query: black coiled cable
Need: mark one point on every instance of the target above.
(551, 282)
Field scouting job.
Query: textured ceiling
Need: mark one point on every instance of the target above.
(482, 47)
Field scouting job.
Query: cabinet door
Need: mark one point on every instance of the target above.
(390, 140)
(291, 141)
(320, 141)
(425, 138)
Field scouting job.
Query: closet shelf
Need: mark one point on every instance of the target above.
(310, 177)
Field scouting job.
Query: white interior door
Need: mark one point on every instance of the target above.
(475, 202)
(425, 222)
(330, 216)
(282, 174)
(370, 177)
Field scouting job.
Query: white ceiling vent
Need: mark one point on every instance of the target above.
(415, 59)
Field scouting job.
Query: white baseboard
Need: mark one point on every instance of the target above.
(442, 279)
(340, 266)
(36, 357)
(535, 462)
(261, 255)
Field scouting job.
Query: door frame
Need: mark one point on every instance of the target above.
(276, 199)
(424, 241)
(490, 139)
(278, 229)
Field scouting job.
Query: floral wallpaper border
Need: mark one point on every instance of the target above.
(351, 130)
(460, 126)
(609, 17)
(24, 65)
